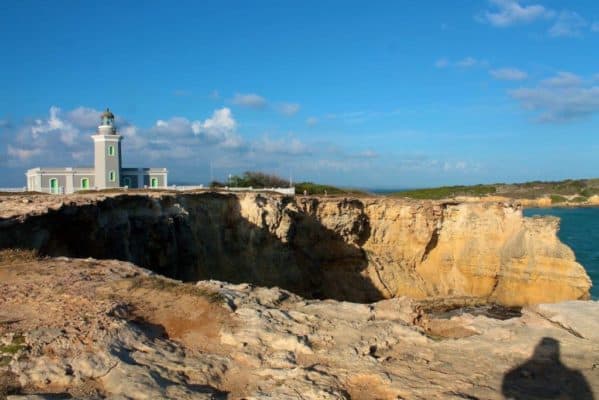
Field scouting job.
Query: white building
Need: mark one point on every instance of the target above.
(106, 173)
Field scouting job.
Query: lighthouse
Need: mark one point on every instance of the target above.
(107, 152)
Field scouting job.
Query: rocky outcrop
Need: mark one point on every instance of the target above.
(347, 249)
(93, 329)
(538, 202)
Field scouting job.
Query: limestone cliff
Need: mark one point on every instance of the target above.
(348, 249)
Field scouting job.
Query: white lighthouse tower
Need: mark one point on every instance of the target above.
(107, 153)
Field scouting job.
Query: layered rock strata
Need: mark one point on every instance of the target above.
(359, 250)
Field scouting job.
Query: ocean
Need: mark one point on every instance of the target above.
(579, 229)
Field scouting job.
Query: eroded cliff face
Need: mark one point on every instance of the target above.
(348, 249)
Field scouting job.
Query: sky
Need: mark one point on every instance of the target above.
(379, 94)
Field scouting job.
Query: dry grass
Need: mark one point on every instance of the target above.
(32, 193)
(17, 256)
(164, 284)
(18, 343)
(126, 191)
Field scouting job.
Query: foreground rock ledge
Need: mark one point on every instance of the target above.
(360, 250)
(95, 329)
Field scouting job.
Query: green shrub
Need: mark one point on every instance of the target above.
(318, 189)
(164, 284)
(257, 180)
(579, 199)
(445, 192)
(555, 199)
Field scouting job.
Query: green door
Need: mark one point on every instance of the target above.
(84, 183)
(154, 182)
(127, 182)
(53, 185)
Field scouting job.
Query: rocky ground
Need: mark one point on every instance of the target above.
(84, 328)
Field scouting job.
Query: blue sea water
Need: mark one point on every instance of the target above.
(579, 229)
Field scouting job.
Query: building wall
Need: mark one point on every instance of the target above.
(77, 181)
(148, 179)
(62, 180)
(68, 179)
(104, 163)
(132, 177)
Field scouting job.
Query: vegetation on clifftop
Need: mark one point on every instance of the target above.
(260, 180)
(559, 192)
(315, 188)
(448, 191)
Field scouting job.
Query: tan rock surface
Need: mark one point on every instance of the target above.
(95, 329)
(347, 249)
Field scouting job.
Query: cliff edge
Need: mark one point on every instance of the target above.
(359, 250)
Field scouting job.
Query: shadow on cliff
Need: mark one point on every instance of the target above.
(545, 377)
(204, 236)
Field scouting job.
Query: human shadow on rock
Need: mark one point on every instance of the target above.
(545, 377)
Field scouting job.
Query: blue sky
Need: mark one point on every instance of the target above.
(367, 94)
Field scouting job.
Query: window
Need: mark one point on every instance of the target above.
(84, 183)
(111, 176)
(111, 151)
(154, 182)
(127, 181)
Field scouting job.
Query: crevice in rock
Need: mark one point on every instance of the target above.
(561, 326)
(434, 240)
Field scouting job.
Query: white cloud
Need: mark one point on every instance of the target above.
(187, 147)
(22, 154)
(288, 109)
(311, 121)
(563, 79)
(595, 26)
(456, 166)
(506, 13)
(442, 63)
(175, 126)
(291, 146)
(508, 74)
(84, 117)
(221, 128)
(249, 100)
(58, 137)
(562, 98)
(55, 126)
(568, 24)
(467, 62)
(367, 154)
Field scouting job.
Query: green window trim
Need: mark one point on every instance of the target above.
(154, 182)
(84, 183)
(112, 176)
(53, 185)
(111, 151)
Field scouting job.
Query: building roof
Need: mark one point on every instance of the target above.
(108, 114)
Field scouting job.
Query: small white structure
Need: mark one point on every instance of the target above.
(106, 173)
